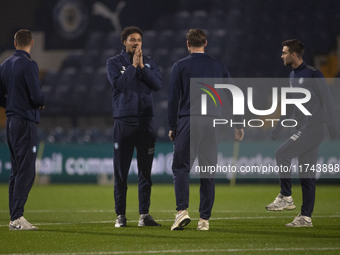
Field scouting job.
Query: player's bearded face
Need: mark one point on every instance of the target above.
(132, 42)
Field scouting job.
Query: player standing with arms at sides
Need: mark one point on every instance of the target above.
(20, 95)
(180, 113)
(134, 78)
(304, 144)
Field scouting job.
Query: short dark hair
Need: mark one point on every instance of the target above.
(196, 37)
(294, 45)
(23, 37)
(128, 31)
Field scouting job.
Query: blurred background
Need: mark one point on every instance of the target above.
(73, 40)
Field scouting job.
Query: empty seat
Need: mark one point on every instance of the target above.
(67, 78)
(199, 19)
(90, 59)
(81, 91)
(62, 98)
(149, 39)
(112, 41)
(148, 52)
(179, 38)
(95, 41)
(109, 53)
(165, 38)
(99, 95)
(73, 60)
(217, 37)
(182, 20)
(162, 57)
(100, 81)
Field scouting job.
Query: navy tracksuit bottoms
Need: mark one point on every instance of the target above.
(22, 143)
(126, 138)
(304, 145)
(201, 141)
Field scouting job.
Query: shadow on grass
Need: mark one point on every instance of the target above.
(130, 232)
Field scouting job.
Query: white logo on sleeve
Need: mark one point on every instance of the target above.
(34, 149)
(148, 65)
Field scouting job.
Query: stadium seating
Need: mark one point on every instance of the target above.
(95, 41)
(241, 35)
(112, 40)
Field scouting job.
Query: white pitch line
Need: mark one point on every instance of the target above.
(63, 211)
(106, 211)
(191, 251)
(170, 220)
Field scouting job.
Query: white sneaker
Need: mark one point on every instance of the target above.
(301, 221)
(147, 220)
(21, 224)
(182, 219)
(203, 224)
(281, 203)
(120, 221)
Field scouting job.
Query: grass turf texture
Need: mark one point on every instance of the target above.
(78, 219)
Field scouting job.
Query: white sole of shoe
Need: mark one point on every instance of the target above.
(203, 229)
(291, 207)
(22, 229)
(119, 226)
(180, 225)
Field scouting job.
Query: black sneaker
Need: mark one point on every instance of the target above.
(147, 220)
(120, 221)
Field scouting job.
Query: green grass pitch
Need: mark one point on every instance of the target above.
(78, 219)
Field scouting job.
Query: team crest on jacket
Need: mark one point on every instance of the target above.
(123, 69)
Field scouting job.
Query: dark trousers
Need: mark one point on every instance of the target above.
(126, 138)
(201, 141)
(22, 143)
(304, 145)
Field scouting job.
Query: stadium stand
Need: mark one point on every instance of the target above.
(241, 35)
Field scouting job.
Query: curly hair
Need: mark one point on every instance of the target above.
(128, 31)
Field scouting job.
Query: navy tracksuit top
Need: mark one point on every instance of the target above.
(196, 65)
(132, 88)
(20, 91)
(321, 105)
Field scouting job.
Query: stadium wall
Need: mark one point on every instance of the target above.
(91, 163)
